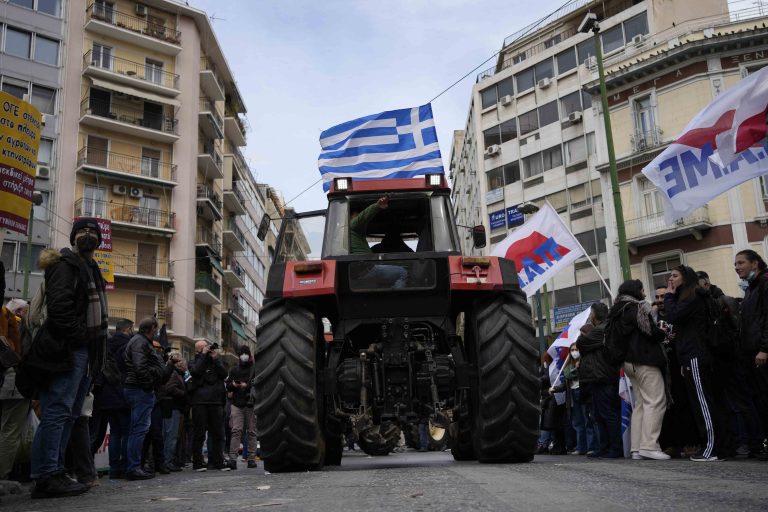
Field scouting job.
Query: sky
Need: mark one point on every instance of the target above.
(303, 66)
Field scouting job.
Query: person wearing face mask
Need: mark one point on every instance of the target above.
(644, 364)
(581, 421)
(242, 417)
(175, 401)
(752, 355)
(206, 398)
(68, 351)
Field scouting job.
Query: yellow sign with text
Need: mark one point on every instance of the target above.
(19, 141)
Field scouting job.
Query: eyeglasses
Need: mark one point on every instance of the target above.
(659, 296)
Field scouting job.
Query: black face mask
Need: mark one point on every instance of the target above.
(86, 243)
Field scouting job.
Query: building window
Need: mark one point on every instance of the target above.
(29, 4)
(495, 178)
(553, 157)
(51, 7)
(635, 26)
(101, 56)
(44, 99)
(492, 136)
(575, 151)
(15, 90)
(488, 97)
(528, 122)
(660, 270)
(525, 80)
(651, 198)
(153, 71)
(532, 165)
(764, 186)
(644, 116)
(104, 10)
(566, 60)
(46, 50)
(150, 162)
(493, 94)
(545, 69)
(45, 151)
(18, 42)
(511, 173)
(548, 113)
(586, 49)
(570, 103)
(613, 39)
(41, 211)
(94, 199)
(508, 130)
(8, 256)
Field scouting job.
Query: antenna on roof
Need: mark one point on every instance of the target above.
(213, 18)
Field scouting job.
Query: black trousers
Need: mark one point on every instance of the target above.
(210, 419)
(698, 383)
(678, 428)
(606, 410)
(79, 458)
(154, 439)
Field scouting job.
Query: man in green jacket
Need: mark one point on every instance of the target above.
(358, 227)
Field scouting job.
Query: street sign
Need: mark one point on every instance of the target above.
(514, 217)
(497, 219)
(564, 314)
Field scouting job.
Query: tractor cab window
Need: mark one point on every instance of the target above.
(404, 225)
(301, 237)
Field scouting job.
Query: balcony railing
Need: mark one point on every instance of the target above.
(240, 160)
(108, 14)
(140, 166)
(142, 267)
(207, 237)
(654, 227)
(231, 226)
(206, 192)
(129, 68)
(125, 213)
(204, 281)
(124, 114)
(232, 265)
(207, 148)
(208, 330)
(647, 139)
(116, 314)
(206, 105)
(236, 309)
(207, 65)
(237, 190)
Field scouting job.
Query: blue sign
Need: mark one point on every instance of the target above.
(565, 314)
(497, 219)
(514, 217)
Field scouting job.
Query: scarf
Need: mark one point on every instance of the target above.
(96, 315)
(643, 313)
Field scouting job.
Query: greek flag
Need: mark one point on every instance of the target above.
(395, 144)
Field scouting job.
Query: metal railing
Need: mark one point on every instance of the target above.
(237, 309)
(209, 330)
(236, 189)
(206, 192)
(108, 14)
(231, 226)
(207, 105)
(133, 265)
(240, 160)
(117, 313)
(654, 223)
(124, 114)
(232, 265)
(204, 281)
(207, 237)
(207, 65)
(208, 148)
(129, 68)
(647, 139)
(240, 119)
(140, 166)
(126, 213)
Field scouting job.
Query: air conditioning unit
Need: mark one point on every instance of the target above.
(136, 192)
(506, 100)
(544, 83)
(141, 10)
(575, 117)
(119, 190)
(493, 149)
(638, 39)
(591, 62)
(43, 119)
(43, 172)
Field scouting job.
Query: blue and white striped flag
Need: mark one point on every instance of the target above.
(395, 144)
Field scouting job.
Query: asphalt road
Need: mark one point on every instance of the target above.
(433, 481)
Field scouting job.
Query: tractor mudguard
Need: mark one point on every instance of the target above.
(482, 273)
(309, 278)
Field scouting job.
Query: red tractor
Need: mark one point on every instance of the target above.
(419, 333)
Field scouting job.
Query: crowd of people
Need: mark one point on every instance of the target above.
(65, 382)
(696, 363)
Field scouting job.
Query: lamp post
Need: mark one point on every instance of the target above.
(37, 200)
(590, 24)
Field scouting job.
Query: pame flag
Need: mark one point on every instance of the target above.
(571, 332)
(394, 144)
(723, 146)
(540, 248)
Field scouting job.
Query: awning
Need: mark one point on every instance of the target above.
(215, 264)
(132, 91)
(237, 328)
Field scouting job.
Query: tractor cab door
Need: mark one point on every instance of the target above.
(301, 236)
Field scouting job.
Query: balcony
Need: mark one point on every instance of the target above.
(209, 161)
(234, 199)
(652, 228)
(143, 170)
(648, 139)
(234, 274)
(233, 237)
(234, 128)
(236, 310)
(207, 290)
(209, 240)
(210, 121)
(133, 267)
(136, 74)
(116, 314)
(148, 32)
(209, 80)
(126, 216)
(209, 203)
(207, 331)
(139, 122)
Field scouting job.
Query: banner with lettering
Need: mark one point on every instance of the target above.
(723, 146)
(540, 248)
(19, 142)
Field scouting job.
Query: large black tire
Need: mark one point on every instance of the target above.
(334, 440)
(377, 440)
(505, 402)
(462, 443)
(287, 398)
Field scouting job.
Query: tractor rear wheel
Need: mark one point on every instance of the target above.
(505, 401)
(287, 397)
(379, 440)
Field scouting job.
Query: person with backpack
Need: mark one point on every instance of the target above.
(686, 309)
(644, 363)
(242, 416)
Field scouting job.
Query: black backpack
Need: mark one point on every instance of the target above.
(616, 342)
(721, 333)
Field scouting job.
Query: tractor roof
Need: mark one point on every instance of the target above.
(388, 185)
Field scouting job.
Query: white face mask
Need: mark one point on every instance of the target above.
(245, 358)
(575, 354)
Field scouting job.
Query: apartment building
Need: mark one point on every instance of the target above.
(154, 127)
(31, 68)
(656, 85)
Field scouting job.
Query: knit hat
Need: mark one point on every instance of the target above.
(82, 223)
(15, 305)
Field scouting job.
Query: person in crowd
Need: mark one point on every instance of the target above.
(145, 370)
(553, 415)
(581, 420)
(242, 416)
(14, 408)
(644, 364)
(657, 306)
(752, 355)
(173, 405)
(153, 453)
(686, 310)
(599, 381)
(67, 352)
(79, 461)
(206, 398)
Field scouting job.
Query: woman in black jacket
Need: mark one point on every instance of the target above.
(643, 364)
(686, 309)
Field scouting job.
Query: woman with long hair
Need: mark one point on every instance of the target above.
(687, 311)
(643, 364)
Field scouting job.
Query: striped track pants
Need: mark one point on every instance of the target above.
(698, 383)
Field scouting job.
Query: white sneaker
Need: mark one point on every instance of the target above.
(636, 456)
(653, 454)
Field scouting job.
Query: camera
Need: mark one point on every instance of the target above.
(215, 346)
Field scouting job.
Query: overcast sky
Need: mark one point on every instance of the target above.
(304, 65)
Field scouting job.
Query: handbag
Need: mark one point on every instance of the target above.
(8, 358)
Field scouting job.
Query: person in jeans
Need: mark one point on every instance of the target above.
(145, 369)
(242, 417)
(581, 420)
(207, 398)
(66, 353)
(173, 405)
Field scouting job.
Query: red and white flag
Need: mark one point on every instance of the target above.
(571, 332)
(723, 146)
(540, 248)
